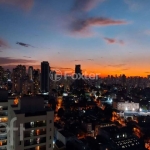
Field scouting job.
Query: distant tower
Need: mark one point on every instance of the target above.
(78, 74)
(18, 74)
(45, 81)
(36, 81)
(30, 72)
(123, 80)
(1, 74)
(78, 69)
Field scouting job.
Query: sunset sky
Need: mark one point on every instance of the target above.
(104, 36)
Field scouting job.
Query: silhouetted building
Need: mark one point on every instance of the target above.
(18, 74)
(123, 80)
(1, 74)
(45, 81)
(36, 81)
(78, 69)
(78, 77)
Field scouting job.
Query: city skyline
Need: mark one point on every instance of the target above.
(77, 32)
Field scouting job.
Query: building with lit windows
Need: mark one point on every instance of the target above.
(36, 81)
(1, 74)
(28, 114)
(6, 103)
(126, 106)
(17, 74)
(36, 123)
(27, 87)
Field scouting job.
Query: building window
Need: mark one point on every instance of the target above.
(49, 145)
(50, 137)
(50, 129)
(50, 121)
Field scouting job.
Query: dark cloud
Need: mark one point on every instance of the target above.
(80, 22)
(24, 44)
(23, 4)
(1, 51)
(113, 41)
(9, 60)
(118, 65)
(81, 25)
(83, 59)
(90, 59)
(77, 60)
(85, 5)
(125, 69)
(26, 56)
(147, 72)
(55, 68)
(10, 67)
(110, 41)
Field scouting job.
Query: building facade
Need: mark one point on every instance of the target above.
(45, 80)
(126, 106)
(34, 126)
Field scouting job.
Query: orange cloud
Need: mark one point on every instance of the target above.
(9, 60)
(24, 4)
(80, 25)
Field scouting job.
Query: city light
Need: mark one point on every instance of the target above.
(74, 75)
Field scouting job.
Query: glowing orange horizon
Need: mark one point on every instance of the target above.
(102, 71)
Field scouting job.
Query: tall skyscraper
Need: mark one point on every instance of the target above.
(78, 74)
(18, 74)
(7, 75)
(30, 72)
(36, 80)
(123, 80)
(78, 69)
(1, 74)
(45, 81)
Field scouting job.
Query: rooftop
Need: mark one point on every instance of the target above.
(66, 133)
(30, 114)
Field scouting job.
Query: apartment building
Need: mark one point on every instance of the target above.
(5, 103)
(125, 106)
(34, 126)
(25, 124)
